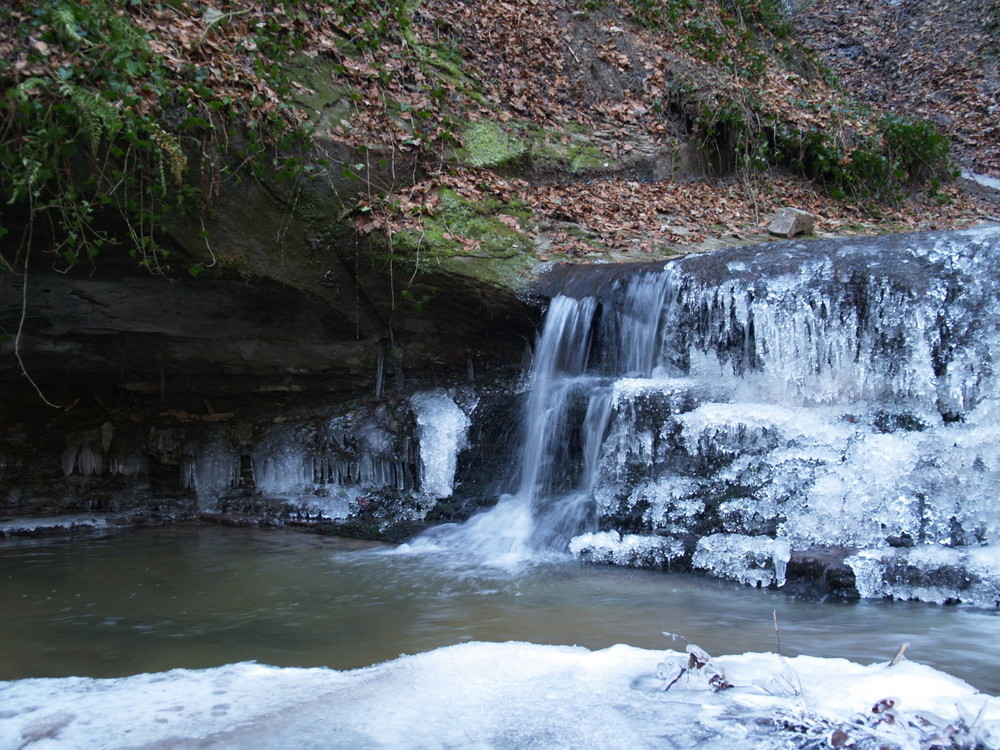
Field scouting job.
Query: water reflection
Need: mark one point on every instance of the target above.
(195, 597)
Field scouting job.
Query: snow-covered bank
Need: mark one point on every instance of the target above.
(510, 695)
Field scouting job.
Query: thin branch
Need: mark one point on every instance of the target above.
(204, 236)
(673, 681)
(900, 652)
(20, 330)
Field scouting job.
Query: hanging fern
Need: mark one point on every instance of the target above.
(67, 126)
(99, 120)
(170, 149)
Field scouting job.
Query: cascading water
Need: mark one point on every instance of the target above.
(566, 419)
(769, 399)
(517, 526)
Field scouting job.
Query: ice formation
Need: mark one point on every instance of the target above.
(442, 428)
(403, 449)
(21, 526)
(510, 695)
(753, 561)
(930, 573)
(633, 550)
(100, 450)
(821, 394)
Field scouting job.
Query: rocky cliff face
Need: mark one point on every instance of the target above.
(292, 318)
(148, 373)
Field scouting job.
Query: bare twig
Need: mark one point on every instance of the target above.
(900, 652)
(204, 236)
(673, 681)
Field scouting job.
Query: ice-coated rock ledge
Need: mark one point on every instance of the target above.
(510, 695)
(631, 550)
(53, 523)
(930, 573)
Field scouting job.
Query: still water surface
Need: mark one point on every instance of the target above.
(155, 599)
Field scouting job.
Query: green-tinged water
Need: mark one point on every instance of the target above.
(156, 599)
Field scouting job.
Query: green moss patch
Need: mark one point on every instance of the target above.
(479, 239)
(574, 152)
(524, 146)
(490, 146)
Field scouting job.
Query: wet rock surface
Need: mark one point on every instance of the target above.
(821, 573)
(121, 331)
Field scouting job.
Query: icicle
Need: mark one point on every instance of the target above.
(89, 461)
(69, 459)
(187, 478)
(441, 431)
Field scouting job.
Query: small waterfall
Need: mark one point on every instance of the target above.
(566, 420)
(765, 399)
(505, 533)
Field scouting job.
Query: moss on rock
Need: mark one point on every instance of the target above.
(575, 153)
(490, 146)
(480, 239)
(526, 147)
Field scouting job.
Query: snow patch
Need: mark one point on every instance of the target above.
(509, 695)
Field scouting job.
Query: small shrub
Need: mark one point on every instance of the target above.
(657, 13)
(916, 149)
(768, 15)
(877, 167)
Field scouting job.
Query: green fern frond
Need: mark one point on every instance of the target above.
(31, 173)
(99, 119)
(29, 86)
(65, 25)
(170, 148)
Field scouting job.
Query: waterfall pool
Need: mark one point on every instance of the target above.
(155, 599)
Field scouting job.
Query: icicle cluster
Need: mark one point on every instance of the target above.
(816, 394)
